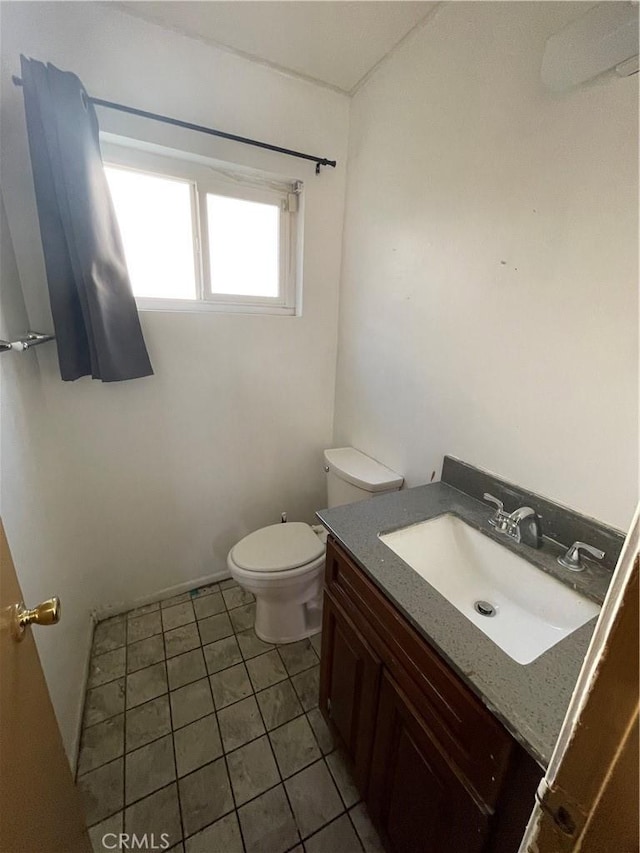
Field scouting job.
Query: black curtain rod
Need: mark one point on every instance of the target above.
(110, 105)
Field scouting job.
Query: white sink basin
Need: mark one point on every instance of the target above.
(533, 611)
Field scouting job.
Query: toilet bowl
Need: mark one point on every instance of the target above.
(283, 564)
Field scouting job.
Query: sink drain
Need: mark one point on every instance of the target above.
(484, 608)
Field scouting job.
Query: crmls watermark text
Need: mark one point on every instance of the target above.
(131, 841)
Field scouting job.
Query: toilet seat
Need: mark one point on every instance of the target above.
(278, 549)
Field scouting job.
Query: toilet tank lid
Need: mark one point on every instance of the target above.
(360, 470)
(277, 548)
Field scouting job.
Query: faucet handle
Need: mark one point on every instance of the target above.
(500, 517)
(491, 499)
(571, 560)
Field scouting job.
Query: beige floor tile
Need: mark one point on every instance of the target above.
(101, 835)
(102, 791)
(109, 635)
(145, 653)
(147, 722)
(181, 640)
(268, 825)
(149, 768)
(298, 656)
(251, 645)
(266, 670)
(307, 686)
(279, 704)
(343, 779)
(237, 597)
(101, 743)
(183, 669)
(191, 702)
(146, 684)
(210, 605)
(316, 642)
(104, 702)
(143, 626)
(222, 654)
(314, 798)
(179, 614)
(337, 836)
(107, 667)
(365, 829)
(214, 628)
(295, 746)
(223, 836)
(197, 744)
(205, 796)
(157, 814)
(321, 730)
(252, 770)
(230, 685)
(240, 723)
(243, 618)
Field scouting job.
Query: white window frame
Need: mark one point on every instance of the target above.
(211, 177)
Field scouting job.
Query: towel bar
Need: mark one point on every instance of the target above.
(28, 340)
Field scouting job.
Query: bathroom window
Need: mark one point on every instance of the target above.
(199, 236)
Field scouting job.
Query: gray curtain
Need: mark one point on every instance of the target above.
(94, 313)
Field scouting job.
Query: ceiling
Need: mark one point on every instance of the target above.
(334, 43)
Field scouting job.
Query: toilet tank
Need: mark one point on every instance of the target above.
(352, 476)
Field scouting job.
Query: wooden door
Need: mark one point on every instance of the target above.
(349, 678)
(414, 796)
(589, 797)
(40, 808)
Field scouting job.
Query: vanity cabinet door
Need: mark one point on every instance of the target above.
(349, 681)
(415, 797)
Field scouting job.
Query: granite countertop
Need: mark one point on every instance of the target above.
(530, 700)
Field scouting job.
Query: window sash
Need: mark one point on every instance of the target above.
(203, 180)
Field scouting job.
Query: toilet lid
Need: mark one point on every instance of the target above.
(277, 548)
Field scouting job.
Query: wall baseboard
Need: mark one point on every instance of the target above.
(119, 607)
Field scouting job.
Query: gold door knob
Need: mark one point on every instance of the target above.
(47, 613)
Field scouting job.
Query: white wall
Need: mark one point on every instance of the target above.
(142, 485)
(489, 286)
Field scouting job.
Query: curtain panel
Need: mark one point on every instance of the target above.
(95, 317)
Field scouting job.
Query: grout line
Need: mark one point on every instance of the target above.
(208, 676)
(335, 780)
(226, 765)
(279, 772)
(353, 826)
(175, 759)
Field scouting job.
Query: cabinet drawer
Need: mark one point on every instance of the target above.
(468, 733)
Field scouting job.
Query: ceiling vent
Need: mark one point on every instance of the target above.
(604, 38)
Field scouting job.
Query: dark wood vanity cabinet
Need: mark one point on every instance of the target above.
(413, 793)
(438, 772)
(349, 688)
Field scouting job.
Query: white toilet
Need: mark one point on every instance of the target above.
(282, 565)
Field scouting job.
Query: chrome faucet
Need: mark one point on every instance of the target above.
(571, 560)
(501, 518)
(513, 526)
(509, 523)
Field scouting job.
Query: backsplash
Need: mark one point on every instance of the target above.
(557, 522)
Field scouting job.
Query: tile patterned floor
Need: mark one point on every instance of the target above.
(196, 728)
